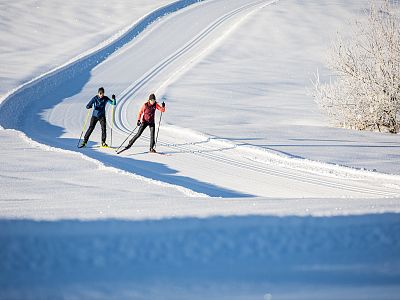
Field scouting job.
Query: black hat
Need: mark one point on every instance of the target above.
(152, 97)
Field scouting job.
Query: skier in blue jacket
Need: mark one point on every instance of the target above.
(99, 115)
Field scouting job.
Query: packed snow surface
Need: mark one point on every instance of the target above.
(253, 188)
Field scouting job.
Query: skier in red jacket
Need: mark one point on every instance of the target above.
(146, 118)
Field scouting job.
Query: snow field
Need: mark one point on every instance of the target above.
(249, 199)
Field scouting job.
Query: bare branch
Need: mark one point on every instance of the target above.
(365, 92)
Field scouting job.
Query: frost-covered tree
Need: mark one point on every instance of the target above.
(364, 93)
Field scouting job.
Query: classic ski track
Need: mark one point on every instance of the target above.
(137, 85)
(206, 153)
(200, 149)
(131, 91)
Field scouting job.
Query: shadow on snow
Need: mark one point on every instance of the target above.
(356, 250)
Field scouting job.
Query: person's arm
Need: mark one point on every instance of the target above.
(113, 101)
(90, 104)
(141, 112)
(161, 107)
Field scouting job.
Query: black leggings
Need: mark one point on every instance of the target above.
(93, 122)
(140, 131)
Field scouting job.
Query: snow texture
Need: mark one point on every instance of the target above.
(230, 257)
(254, 194)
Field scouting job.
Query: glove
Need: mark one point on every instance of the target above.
(138, 123)
(113, 97)
(88, 106)
(163, 104)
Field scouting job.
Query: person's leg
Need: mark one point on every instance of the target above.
(137, 135)
(92, 125)
(152, 131)
(103, 123)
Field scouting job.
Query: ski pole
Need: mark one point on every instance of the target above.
(84, 126)
(158, 129)
(126, 139)
(113, 119)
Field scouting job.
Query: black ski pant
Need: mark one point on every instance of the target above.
(140, 131)
(93, 122)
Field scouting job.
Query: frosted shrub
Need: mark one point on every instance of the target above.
(364, 93)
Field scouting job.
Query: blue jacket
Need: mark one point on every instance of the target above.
(99, 105)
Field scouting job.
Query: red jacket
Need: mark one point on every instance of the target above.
(149, 111)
